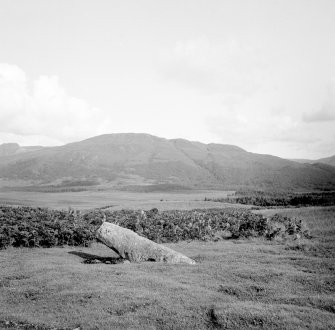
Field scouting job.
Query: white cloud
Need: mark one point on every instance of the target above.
(249, 129)
(272, 132)
(327, 111)
(43, 108)
(228, 68)
(11, 74)
(12, 88)
(326, 114)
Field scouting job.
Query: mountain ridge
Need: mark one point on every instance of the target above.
(326, 160)
(136, 158)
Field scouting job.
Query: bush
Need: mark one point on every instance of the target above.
(41, 227)
(278, 198)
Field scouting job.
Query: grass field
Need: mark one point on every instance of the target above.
(116, 199)
(236, 284)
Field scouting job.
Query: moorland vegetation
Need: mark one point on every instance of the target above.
(272, 198)
(43, 227)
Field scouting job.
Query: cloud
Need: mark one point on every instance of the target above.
(252, 129)
(44, 108)
(261, 123)
(228, 68)
(327, 111)
(264, 132)
(11, 74)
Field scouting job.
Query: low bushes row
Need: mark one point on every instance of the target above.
(273, 198)
(42, 227)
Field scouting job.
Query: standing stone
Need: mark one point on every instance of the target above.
(136, 248)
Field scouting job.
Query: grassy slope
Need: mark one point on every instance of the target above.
(235, 285)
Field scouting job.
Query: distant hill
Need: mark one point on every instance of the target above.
(7, 149)
(142, 159)
(328, 160)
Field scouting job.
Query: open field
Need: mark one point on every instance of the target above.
(114, 198)
(236, 284)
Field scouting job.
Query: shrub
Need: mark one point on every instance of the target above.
(41, 227)
(278, 198)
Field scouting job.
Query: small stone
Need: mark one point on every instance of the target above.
(107, 262)
(126, 262)
(297, 236)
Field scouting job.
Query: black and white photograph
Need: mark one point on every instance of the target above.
(167, 164)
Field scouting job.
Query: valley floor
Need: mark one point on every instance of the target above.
(116, 199)
(236, 284)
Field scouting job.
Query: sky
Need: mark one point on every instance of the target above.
(259, 74)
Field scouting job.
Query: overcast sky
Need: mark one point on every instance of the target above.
(257, 74)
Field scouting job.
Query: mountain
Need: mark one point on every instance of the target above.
(328, 160)
(137, 159)
(302, 160)
(8, 149)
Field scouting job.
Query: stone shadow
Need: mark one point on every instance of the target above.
(95, 259)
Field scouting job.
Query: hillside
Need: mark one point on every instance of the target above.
(328, 160)
(8, 149)
(137, 159)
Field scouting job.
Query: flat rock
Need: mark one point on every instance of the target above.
(136, 248)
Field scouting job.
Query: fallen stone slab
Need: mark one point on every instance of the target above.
(135, 248)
